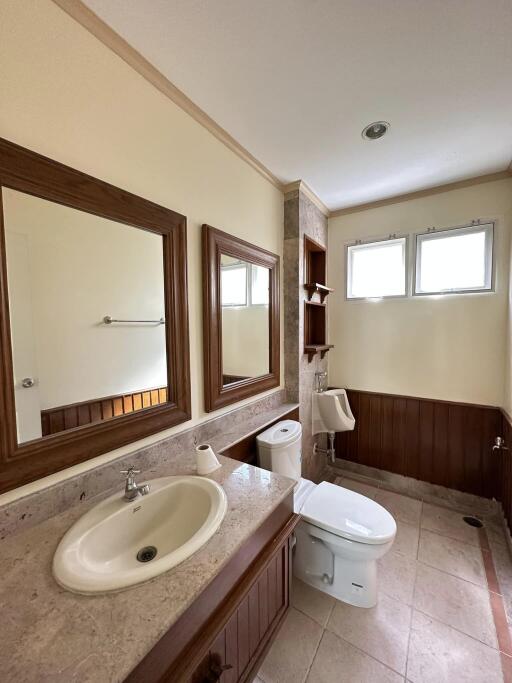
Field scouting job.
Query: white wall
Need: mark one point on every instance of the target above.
(69, 97)
(451, 347)
(81, 268)
(245, 341)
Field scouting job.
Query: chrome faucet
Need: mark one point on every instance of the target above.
(131, 490)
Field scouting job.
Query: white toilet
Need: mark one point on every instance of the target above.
(342, 534)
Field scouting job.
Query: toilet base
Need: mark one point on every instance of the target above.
(350, 579)
(354, 582)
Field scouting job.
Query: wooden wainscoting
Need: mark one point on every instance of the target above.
(60, 418)
(444, 443)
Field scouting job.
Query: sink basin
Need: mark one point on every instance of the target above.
(113, 545)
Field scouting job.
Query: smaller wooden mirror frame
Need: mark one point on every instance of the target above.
(31, 173)
(216, 243)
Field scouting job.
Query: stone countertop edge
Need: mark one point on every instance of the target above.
(50, 634)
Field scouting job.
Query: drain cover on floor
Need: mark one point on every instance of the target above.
(473, 521)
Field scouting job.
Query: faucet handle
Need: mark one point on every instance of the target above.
(130, 471)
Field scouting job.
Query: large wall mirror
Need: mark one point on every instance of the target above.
(93, 315)
(241, 318)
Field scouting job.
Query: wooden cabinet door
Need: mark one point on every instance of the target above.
(237, 651)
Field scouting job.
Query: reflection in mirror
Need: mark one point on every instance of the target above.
(245, 320)
(68, 270)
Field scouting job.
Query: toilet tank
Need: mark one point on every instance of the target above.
(280, 448)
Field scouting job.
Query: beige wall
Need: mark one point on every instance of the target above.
(451, 347)
(507, 399)
(67, 96)
(245, 341)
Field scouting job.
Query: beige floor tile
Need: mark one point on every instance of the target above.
(440, 654)
(406, 539)
(336, 661)
(311, 601)
(358, 487)
(292, 652)
(448, 523)
(403, 508)
(396, 574)
(382, 631)
(454, 557)
(455, 602)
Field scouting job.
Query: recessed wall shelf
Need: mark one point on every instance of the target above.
(312, 287)
(315, 309)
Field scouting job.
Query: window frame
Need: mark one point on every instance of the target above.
(433, 234)
(395, 237)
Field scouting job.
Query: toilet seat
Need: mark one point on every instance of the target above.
(347, 514)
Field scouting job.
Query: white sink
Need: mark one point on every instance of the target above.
(99, 552)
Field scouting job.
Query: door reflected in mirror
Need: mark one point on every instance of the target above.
(67, 272)
(245, 291)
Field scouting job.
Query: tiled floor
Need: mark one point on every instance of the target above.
(444, 613)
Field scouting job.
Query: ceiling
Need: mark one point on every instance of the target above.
(295, 82)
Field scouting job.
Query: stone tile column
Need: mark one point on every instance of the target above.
(301, 217)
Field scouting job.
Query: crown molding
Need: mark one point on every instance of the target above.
(301, 186)
(478, 180)
(102, 31)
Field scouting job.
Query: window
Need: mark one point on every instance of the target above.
(377, 269)
(259, 285)
(234, 284)
(456, 260)
(243, 283)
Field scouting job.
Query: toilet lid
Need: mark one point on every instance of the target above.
(281, 434)
(348, 514)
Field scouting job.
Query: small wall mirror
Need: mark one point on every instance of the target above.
(241, 315)
(94, 325)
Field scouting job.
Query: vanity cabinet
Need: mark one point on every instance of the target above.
(226, 632)
(238, 648)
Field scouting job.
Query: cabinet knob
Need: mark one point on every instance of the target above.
(216, 671)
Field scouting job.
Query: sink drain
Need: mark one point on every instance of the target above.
(147, 553)
(473, 521)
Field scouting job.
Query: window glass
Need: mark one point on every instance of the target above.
(377, 269)
(458, 260)
(234, 285)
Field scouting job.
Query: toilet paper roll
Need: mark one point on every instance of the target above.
(206, 460)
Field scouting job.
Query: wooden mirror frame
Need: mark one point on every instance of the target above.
(33, 174)
(216, 243)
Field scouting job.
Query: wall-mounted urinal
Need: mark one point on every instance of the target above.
(331, 412)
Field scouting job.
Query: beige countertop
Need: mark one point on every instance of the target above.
(50, 634)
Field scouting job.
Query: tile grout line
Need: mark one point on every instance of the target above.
(304, 680)
(417, 563)
(366, 654)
